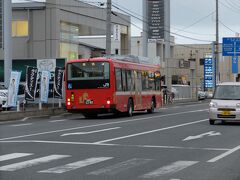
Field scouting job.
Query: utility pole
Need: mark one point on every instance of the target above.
(145, 29)
(7, 13)
(217, 78)
(108, 27)
(167, 54)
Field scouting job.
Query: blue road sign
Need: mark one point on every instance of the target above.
(208, 73)
(231, 46)
(235, 64)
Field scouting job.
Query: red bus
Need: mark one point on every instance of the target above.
(113, 84)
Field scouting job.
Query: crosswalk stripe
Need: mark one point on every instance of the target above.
(170, 169)
(13, 156)
(29, 163)
(75, 165)
(112, 170)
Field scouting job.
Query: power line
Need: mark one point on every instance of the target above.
(166, 31)
(178, 30)
(190, 32)
(227, 27)
(65, 5)
(199, 20)
(142, 18)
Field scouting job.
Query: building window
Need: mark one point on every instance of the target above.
(69, 51)
(19, 28)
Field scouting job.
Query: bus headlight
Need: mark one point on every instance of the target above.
(108, 102)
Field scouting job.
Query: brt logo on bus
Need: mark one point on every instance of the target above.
(83, 98)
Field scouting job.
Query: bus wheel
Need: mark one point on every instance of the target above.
(151, 110)
(130, 108)
(89, 116)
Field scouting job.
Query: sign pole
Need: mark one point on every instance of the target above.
(235, 63)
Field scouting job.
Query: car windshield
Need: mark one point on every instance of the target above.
(231, 92)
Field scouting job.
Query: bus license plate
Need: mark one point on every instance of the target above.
(226, 113)
(89, 102)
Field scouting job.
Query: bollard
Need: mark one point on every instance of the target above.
(24, 102)
(18, 106)
(59, 103)
(40, 105)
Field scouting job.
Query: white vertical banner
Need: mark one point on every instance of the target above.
(13, 88)
(116, 32)
(45, 78)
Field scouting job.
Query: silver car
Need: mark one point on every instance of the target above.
(225, 104)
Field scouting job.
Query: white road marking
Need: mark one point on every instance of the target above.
(97, 125)
(116, 145)
(24, 119)
(170, 169)
(29, 163)
(75, 165)
(60, 120)
(152, 131)
(210, 133)
(13, 156)
(224, 154)
(90, 132)
(126, 165)
(18, 125)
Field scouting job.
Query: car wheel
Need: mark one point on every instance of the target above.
(211, 122)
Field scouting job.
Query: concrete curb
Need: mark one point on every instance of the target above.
(13, 115)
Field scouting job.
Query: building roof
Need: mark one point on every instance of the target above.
(32, 5)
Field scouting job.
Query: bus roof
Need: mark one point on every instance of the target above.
(128, 59)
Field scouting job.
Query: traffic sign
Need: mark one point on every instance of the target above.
(231, 46)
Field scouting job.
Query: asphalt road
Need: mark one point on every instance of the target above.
(174, 143)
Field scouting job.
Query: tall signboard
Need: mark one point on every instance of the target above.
(208, 73)
(1, 24)
(231, 47)
(155, 19)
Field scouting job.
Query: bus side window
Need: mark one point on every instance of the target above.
(145, 80)
(139, 81)
(151, 81)
(158, 80)
(129, 80)
(124, 83)
(133, 86)
(118, 79)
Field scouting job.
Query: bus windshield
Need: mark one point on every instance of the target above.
(90, 74)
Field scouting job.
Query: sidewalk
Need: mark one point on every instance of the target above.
(31, 110)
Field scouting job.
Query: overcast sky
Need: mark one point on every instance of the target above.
(191, 18)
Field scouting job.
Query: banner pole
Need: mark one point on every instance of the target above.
(53, 94)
